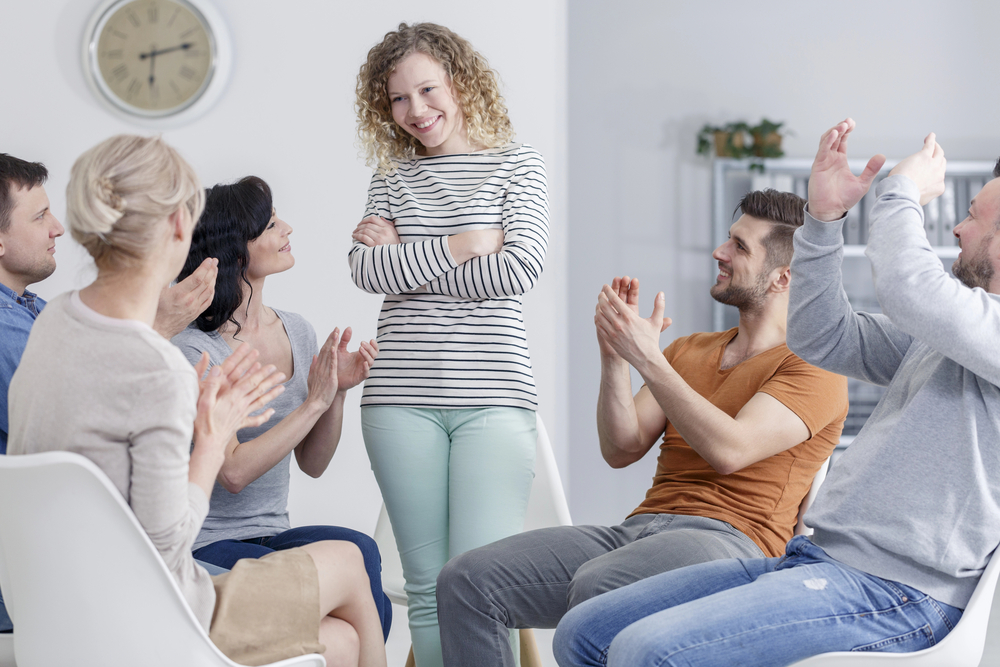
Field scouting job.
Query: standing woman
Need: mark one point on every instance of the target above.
(455, 230)
(96, 379)
(248, 513)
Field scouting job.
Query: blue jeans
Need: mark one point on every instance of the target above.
(225, 553)
(760, 612)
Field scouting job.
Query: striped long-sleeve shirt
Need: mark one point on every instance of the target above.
(450, 335)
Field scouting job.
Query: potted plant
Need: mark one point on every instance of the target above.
(730, 140)
(766, 139)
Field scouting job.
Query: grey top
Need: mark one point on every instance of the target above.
(261, 508)
(116, 392)
(914, 498)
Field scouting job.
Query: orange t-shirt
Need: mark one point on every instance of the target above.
(761, 500)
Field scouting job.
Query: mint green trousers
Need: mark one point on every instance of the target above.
(452, 480)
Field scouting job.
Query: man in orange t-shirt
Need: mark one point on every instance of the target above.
(745, 424)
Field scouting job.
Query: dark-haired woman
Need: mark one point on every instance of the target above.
(248, 516)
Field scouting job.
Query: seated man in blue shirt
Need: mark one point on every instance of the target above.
(28, 233)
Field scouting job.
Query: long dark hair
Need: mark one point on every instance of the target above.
(234, 215)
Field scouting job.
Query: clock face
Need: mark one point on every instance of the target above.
(152, 57)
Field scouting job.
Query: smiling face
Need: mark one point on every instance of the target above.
(424, 105)
(27, 248)
(743, 278)
(976, 265)
(271, 252)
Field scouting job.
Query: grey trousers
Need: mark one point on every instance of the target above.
(530, 580)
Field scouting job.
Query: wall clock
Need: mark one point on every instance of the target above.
(157, 59)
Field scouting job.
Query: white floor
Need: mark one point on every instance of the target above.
(398, 645)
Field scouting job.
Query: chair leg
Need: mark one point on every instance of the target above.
(530, 657)
(409, 659)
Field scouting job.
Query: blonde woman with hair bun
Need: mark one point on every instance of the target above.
(454, 232)
(96, 379)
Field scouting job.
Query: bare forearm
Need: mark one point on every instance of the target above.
(617, 423)
(249, 460)
(317, 449)
(204, 465)
(713, 434)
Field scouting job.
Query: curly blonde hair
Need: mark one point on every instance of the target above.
(475, 85)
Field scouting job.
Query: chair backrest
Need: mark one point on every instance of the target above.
(547, 507)
(82, 581)
(963, 647)
(547, 504)
(800, 527)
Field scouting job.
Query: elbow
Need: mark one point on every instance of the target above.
(725, 464)
(232, 482)
(725, 467)
(617, 457)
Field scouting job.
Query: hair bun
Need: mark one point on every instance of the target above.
(106, 193)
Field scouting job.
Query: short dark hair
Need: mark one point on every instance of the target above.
(234, 215)
(784, 211)
(996, 169)
(14, 175)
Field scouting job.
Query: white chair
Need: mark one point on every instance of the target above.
(7, 650)
(800, 527)
(546, 507)
(963, 647)
(81, 579)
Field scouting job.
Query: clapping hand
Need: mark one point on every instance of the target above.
(230, 393)
(621, 330)
(335, 369)
(833, 189)
(180, 304)
(353, 368)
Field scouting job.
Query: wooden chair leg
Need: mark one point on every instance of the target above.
(530, 657)
(409, 658)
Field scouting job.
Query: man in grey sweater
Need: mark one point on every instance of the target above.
(906, 522)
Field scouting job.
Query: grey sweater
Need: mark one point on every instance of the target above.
(120, 394)
(915, 497)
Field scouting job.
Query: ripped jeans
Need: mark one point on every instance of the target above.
(752, 613)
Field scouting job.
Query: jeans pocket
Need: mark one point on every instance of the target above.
(917, 640)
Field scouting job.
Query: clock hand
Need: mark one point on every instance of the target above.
(152, 62)
(154, 52)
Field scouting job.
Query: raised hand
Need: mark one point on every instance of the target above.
(926, 168)
(627, 290)
(374, 231)
(182, 303)
(353, 368)
(833, 189)
(620, 328)
(323, 382)
(230, 393)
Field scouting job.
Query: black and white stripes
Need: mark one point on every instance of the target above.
(452, 336)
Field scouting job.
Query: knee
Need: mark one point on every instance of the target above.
(369, 550)
(461, 580)
(336, 557)
(589, 581)
(635, 646)
(570, 645)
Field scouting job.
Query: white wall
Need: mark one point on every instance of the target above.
(645, 75)
(287, 116)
